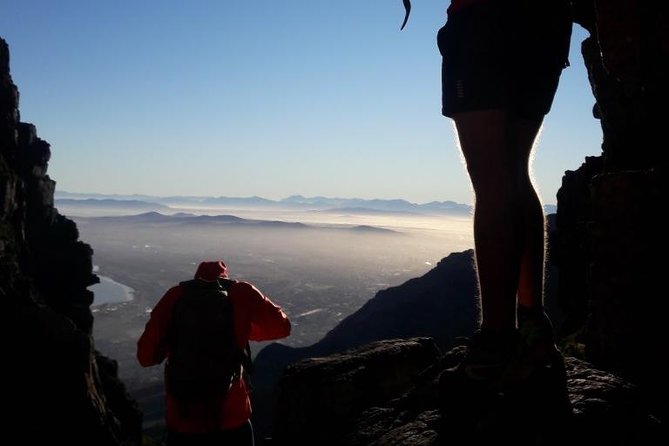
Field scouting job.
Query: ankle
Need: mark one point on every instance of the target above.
(535, 326)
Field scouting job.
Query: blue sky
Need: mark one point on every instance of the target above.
(258, 97)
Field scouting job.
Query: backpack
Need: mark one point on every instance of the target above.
(204, 358)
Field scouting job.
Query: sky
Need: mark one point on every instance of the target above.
(259, 98)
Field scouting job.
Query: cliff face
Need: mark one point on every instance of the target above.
(60, 389)
(610, 210)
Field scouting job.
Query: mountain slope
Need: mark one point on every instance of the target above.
(439, 305)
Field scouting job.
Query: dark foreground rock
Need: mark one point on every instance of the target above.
(58, 389)
(390, 394)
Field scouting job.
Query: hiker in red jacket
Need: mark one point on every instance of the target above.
(256, 318)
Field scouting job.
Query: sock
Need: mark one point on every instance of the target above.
(535, 325)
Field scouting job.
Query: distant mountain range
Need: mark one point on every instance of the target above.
(348, 205)
(297, 202)
(108, 203)
(186, 219)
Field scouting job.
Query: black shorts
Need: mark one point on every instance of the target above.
(504, 54)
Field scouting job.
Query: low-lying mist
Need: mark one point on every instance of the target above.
(320, 267)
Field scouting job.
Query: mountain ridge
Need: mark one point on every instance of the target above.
(297, 201)
(183, 218)
(315, 203)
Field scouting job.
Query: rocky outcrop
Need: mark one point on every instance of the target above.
(321, 398)
(392, 393)
(60, 390)
(440, 305)
(610, 210)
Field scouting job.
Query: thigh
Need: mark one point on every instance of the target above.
(487, 152)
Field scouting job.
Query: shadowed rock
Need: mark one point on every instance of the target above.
(440, 305)
(59, 390)
(611, 210)
(347, 399)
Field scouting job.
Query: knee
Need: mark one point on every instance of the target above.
(490, 181)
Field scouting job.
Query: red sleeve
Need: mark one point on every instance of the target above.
(268, 321)
(151, 348)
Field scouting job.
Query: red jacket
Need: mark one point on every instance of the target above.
(256, 319)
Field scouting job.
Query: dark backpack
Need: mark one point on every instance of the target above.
(205, 358)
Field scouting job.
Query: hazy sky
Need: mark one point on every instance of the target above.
(258, 97)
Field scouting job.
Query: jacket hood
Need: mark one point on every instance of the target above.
(211, 271)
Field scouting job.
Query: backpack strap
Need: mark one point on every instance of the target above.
(247, 362)
(246, 359)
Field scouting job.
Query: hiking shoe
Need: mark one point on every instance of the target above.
(495, 361)
(536, 329)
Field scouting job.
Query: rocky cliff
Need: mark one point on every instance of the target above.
(439, 304)
(610, 210)
(60, 389)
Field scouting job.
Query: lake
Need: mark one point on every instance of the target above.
(108, 291)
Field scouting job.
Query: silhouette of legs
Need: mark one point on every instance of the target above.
(497, 86)
(508, 217)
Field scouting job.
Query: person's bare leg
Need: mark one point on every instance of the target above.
(535, 326)
(486, 143)
(531, 273)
